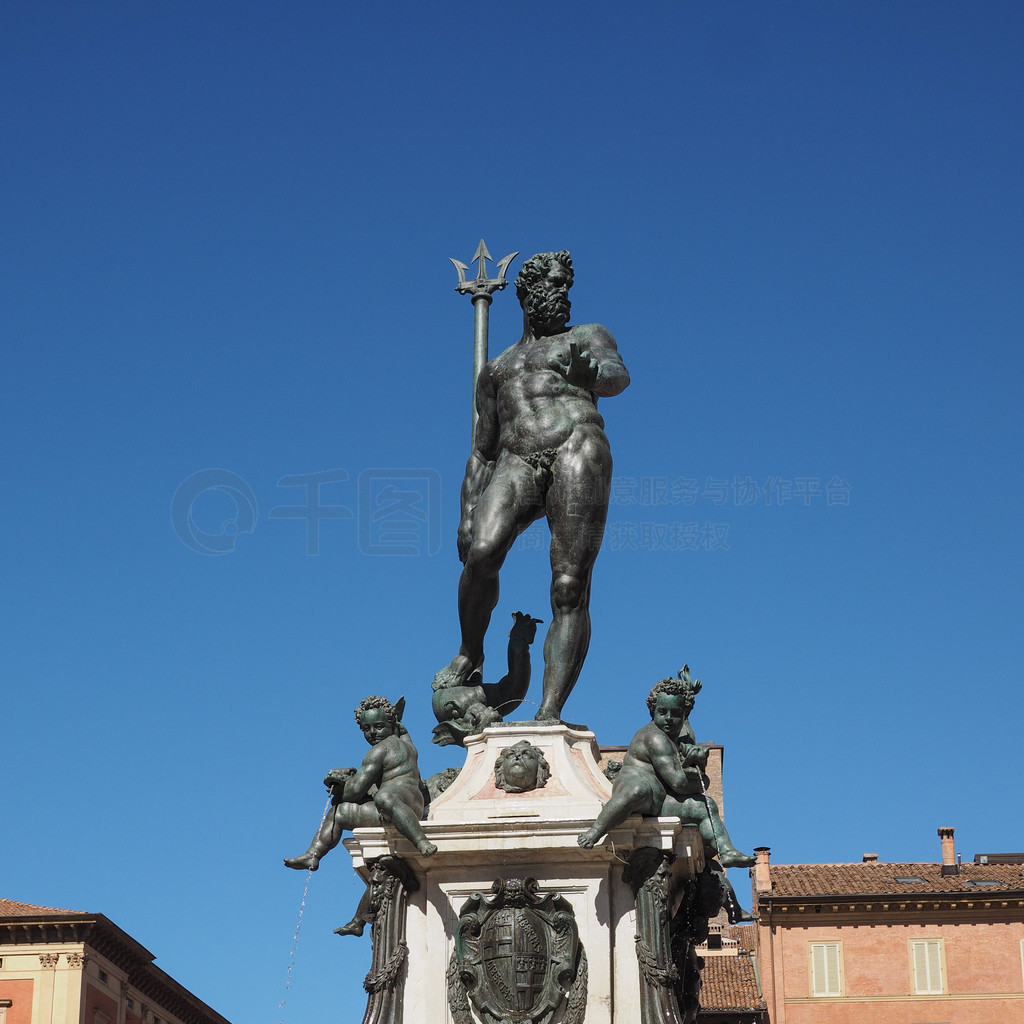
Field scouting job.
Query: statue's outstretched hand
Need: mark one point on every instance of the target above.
(582, 369)
(338, 776)
(697, 756)
(524, 627)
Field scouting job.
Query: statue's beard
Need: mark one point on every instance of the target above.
(548, 310)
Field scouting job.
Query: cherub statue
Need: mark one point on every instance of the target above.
(466, 709)
(662, 774)
(391, 767)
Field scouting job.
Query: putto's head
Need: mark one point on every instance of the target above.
(681, 686)
(543, 288)
(377, 717)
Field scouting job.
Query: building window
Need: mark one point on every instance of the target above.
(926, 964)
(103, 977)
(826, 969)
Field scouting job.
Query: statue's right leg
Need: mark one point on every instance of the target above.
(627, 798)
(508, 505)
(327, 838)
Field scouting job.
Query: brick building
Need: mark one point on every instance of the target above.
(730, 993)
(933, 943)
(67, 967)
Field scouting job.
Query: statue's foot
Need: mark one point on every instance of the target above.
(588, 839)
(547, 714)
(426, 847)
(306, 861)
(354, 927)
(733, 858)
(737, 915)
(455, 674)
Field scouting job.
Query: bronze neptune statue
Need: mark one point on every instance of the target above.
(539, 449)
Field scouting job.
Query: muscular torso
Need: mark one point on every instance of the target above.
(651, 745)
(537, 407)
(399, 761)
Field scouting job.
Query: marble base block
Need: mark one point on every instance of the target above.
(484, 833)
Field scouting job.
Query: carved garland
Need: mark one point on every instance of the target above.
(458, 1001)
(652, 972)
(385, 977)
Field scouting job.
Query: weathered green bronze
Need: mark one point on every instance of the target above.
(539, 449)
(517, 956)
(386, 788)
(467, 710)
(662, 774)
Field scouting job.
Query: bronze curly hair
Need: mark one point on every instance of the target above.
(534, 269)
(374, 703)
(675, 686)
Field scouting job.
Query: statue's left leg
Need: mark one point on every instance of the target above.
(733, 908)
(716, 837)
(360, 917)
(577, 506)
(403, 806)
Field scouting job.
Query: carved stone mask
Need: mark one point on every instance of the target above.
(521, 768)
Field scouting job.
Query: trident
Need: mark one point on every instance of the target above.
(481, 288)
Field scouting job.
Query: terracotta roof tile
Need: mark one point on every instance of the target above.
(12, 908)
(729, 983)
(744, 934)
(880, 878)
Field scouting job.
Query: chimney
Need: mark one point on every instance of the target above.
(949, 864)
(870, 858)
(762, 878)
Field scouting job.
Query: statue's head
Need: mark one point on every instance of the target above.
(671, 701)
(520, 768)
(379, 718)
(543, 286)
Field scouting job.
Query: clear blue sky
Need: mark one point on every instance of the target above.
(225, 241)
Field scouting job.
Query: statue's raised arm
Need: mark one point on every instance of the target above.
(594, 363)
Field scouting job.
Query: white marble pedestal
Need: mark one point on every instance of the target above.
(484, 833)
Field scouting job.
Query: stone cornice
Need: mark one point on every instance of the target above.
(862, 907)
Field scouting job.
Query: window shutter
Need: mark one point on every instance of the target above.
(927, 967)
(825, 970)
